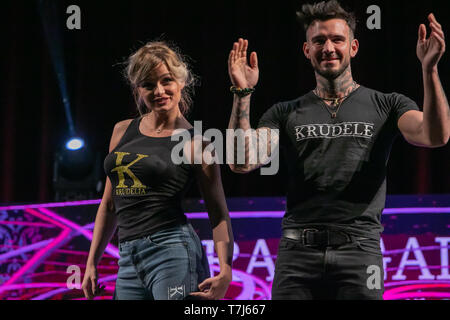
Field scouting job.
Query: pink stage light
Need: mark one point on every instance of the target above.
(235, 214)
(114, 251)
(249, 283)
(30, 224)
(400, 292)
(37, 258)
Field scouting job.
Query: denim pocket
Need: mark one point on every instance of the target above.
(124, 260)
(168, 238)
(370, 246)
(289, 244)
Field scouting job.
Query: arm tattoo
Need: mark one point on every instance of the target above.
(254, 146)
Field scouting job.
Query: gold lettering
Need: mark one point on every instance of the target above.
(121, 169)
(130, 191)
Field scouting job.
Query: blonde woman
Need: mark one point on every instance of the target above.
(161, 256)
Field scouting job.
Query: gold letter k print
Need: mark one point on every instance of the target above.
(126, 169)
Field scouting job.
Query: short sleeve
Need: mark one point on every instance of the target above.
(272, 118)
(400, 104)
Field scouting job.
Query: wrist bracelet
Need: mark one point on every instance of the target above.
(241, 92)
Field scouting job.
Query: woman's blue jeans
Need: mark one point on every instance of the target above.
(167, 265)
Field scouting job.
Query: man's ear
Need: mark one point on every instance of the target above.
(306, 50)
(354, 47)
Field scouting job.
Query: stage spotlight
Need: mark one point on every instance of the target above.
(77, 172)
(74, 144)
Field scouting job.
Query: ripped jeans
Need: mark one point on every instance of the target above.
(167, 265)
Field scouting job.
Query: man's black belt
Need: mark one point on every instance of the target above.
(319, 238)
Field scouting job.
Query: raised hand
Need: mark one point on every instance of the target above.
(242, 74)
(429, 51)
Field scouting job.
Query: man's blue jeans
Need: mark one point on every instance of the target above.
(167, 265)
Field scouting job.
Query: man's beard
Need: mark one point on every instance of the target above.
(331, 74)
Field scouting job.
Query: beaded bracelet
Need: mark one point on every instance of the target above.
(241, 92)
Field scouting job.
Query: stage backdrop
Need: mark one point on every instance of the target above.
(33, 123)
(44, 247)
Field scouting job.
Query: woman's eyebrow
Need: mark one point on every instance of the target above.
(150, 81)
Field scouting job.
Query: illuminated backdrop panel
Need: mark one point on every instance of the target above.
(44, 247)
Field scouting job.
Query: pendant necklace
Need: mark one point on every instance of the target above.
(336, 104)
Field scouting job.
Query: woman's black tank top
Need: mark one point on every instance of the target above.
(147, 187)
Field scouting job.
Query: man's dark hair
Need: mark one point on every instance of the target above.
(323, 11)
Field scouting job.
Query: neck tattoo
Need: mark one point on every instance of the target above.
(336, 101)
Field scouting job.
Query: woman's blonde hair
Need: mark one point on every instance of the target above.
(146, 59)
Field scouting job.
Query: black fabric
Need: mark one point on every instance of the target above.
(352, 271)
(147, 186)
(337, 166)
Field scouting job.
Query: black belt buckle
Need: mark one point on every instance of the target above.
(304, 234)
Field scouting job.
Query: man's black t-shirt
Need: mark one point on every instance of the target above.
(337, 166)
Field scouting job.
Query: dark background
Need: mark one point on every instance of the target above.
(33, 123)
